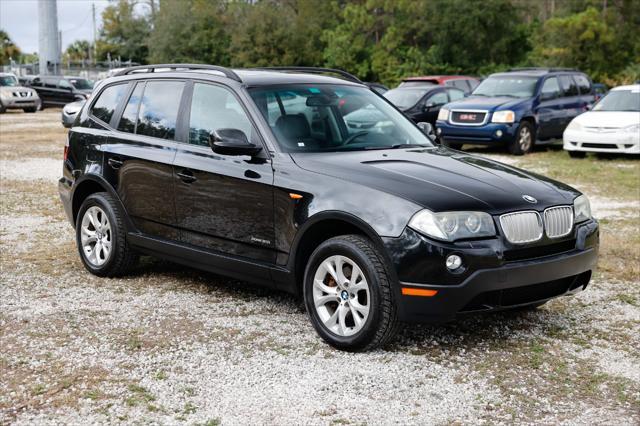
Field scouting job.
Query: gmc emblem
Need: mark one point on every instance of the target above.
(468, 117)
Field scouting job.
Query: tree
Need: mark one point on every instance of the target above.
(190, 31)
(583, 40)
(8, 49)
(124, 33)
(79, 50)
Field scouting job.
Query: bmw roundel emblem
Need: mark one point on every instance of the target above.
(529, 199)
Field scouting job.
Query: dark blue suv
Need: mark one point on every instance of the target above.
(516, 108)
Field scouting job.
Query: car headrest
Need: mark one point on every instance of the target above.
(293, 127)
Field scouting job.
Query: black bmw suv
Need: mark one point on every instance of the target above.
(255, 174)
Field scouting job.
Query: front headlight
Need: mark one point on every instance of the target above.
(574, 125)
(581, 209)
(634, 128)
(451, 226)
(443, 114)
(505, 116)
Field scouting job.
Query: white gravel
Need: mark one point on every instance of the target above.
(170, 345)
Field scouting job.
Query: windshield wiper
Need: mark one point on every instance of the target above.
(408, 145)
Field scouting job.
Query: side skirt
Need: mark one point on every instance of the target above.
(222, 264)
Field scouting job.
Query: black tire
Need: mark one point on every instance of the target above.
(453, 145)
(382, 323)
(3, 109)
(523, 140)
(32, 109)
(577, 154)
(121, 257)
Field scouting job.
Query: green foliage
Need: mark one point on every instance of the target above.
(190, 31)
(381, 40)
(8, 49)
(584, 40)
(77, 51)
(124, 33)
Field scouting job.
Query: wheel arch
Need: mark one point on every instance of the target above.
(320, 228)
(90, 184)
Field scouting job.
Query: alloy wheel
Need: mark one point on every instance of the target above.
(341, 295)
(96, 236)
(524, 139)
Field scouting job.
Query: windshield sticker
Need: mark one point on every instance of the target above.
(314, 90)
(301, 144)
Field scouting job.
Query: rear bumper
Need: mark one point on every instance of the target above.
(487, 134)
(492, 283)
(625, 143)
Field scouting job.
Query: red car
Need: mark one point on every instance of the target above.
(462, 82)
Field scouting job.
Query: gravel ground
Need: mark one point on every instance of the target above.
(169, 344)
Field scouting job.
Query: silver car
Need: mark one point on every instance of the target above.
(14, 96)
(70, 112)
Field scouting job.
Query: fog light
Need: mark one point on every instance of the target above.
(453, 262)
(499, 133)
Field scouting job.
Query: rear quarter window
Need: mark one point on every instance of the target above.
(569, 86)
(104, 107)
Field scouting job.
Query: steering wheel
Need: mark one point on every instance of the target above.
(355, 136)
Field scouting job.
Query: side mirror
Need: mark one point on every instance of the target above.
(232, 142)
(427, 129)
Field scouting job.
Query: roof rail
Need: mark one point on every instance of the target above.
(314, 70)
(152, 68)
(542, 69)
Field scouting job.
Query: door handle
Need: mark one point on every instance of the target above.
(115, 162)
(187, 176)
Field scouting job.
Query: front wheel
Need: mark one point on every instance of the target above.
(348, 294)
(524, 139)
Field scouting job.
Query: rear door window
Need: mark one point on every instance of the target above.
(130, 115)
(438, 99)
(569, 87)
(152, 109)
(583, 84)
(108, 101)
(159, 109)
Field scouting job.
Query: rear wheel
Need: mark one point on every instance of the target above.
(101, 237)
(348, 295)
(524, 139)
(577, 154)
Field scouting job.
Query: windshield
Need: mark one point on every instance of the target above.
(323, 118)
(515, 86)
(81, 83)
(620, 100)
(405, 98)
(8, 81)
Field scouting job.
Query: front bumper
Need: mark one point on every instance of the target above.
(19, 103)
(492, 279)
(618, 142)
(487, 134)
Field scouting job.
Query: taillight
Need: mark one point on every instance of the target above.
(66, 152)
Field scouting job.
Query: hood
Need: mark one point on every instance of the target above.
(611, 119)
(440, 179)
(487, 103)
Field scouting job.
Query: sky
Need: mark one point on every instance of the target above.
(19, 18)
